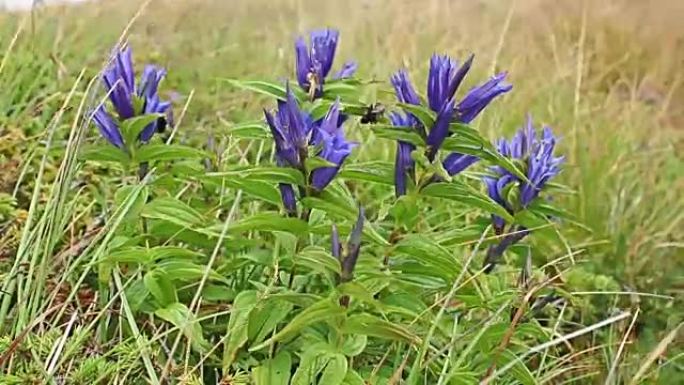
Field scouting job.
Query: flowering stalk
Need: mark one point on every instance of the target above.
(350, 255)
(130, 100)
(296, 135)
(444, 78)
(513, 193)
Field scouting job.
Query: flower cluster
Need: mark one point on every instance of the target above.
(295, 133)
(315, 62)
(129, 99)
(535, 152)
(317, 148)
(444, 78)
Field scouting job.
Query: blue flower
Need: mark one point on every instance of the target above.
(129, 101)
(294, 132)
(404, 165)
(535, 152)
(480, 96)
(334, 148)
(290, 128)
(313, 64)
(108, 128)
(444, 78)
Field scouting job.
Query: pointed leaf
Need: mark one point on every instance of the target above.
(463, 193)
(275, 371)
(180, 316)
(165, 152)
(323, 310)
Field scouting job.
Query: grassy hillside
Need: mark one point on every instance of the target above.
(608, 77)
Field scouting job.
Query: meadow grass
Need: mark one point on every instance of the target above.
(606, 75)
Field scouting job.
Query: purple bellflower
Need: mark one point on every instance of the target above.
(294, 132)
(535, 152)
(444, 78)
(313, 63)
(129, 99)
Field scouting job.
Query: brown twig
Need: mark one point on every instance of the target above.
(505, 341)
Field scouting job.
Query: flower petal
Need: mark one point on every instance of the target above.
(348, 69)
(480, 96)
(108, 127)
(440, 129)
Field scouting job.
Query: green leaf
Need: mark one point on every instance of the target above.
(357, 291)
(377, 172)
(265, 191)
(265, 174)
(311, 363)
(540, 208)
(426, 251)
(332, 90)
(136, 294)
(174, 211)
(267, 88)
(333, 203)
(218, 293)
(319, 108)
(268, 221)
(463, 377)
(186, 271)
(425, 115)
(180, 316)
(376, 327)
(123, 197)
(160, 286)
(131, 128)
(265, 317)
(172, 252)
(406, 211)
(461, 192)
(404, 134)
(165, 152)
(275, 371)
(250, 130)
(144, 255)
(323, 310)
(132, 255)
(259, 86)
(104, 153)
(353, 378)
(332, 208)
(520, 371)
(473, 144)
(315, 162)
(318, 259)
(335, 370)
(354, 344)
(237, 326)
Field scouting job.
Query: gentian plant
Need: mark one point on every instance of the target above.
(534, 151)
(444, 78)
(260, 229)
(298, 138)
(130, 99)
